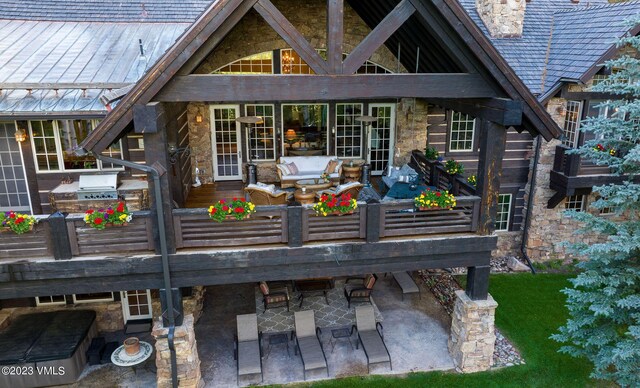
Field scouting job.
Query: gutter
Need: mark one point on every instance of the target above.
(156, 173)
(527, 217)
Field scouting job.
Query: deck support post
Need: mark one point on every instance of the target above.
(59, 236)
(493, 140)
(373, 221)
(294, 224)
(478, 282)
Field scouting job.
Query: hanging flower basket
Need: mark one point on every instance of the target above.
(434, 200)
(116, 215)
(330, 204)
(238, 209)
(16, 222)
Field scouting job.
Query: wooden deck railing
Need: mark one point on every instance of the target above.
(63, 237)
(434, 174)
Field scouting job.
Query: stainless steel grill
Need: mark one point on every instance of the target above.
(92, 187)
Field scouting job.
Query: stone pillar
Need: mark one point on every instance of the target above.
(473, 334)
(186, 355)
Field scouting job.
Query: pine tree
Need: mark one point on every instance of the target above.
(604, 302)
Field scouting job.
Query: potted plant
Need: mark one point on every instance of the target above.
(472, 180)
(336, 205)
(435, 199)
(431, 153)
(16, 222)
(118, 215)
(452, 167)
(238, 209)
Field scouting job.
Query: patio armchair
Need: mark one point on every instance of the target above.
(359, 289)
(247, 346)
(370, 335)
(308, 342)
(352, 188)
(265, 196)
(274, 297)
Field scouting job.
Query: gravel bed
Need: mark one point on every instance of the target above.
(443, 285)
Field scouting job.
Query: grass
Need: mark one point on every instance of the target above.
(531, 308)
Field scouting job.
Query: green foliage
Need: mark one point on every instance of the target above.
(604, 302)
(431, 153)
(452, 167)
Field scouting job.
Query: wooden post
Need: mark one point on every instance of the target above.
(294, 224)
(478, 282)
(571, 164)
(493, 140)
(154, 117)
(373, 221)
(59, 236)
(434, 175)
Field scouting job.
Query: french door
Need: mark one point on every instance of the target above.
(381, 137)
(225, 140)
(136, 304)
(14, 194)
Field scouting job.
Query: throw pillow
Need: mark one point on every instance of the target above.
(331, 166)
(293, 168)
(264, 288)
(284, 169)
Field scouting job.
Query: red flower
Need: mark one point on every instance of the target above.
(438, 194)
(331, 205)
(235, 199)
(242, 200)
(239, 210)
(19, 220)
(344, 203)
(324, 198)
(98, 221)
(90, 211)
(120, 208)
(12, 215)
(109, 211)
(222, 201)
(214, 210)
(225, 208)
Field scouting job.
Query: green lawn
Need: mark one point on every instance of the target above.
(530, 309)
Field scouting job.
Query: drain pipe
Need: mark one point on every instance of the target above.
(527, 219)
(155, 173)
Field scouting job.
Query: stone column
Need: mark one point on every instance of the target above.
(473, 334)
(186, 354)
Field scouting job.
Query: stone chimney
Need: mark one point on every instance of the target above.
(503, 18)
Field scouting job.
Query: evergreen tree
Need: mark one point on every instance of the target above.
(604, 302)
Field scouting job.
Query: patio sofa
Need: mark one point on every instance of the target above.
(307, 167)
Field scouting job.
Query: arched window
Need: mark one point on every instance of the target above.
(261, 63)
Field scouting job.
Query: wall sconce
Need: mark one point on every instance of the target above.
(561, 110)
(198, 118)
(20, 135)
(174, 152)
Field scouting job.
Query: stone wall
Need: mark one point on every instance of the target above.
(503, 18)
(189, 374)
(192, 305)
(411, 129)
(508, 244)
(473, 336)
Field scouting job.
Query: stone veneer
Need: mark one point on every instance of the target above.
(188, 362)
(508, 244)
(191, 305)
(411, 128)
(503, 18)
(473, 336)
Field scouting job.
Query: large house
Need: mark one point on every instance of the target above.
(138, 101)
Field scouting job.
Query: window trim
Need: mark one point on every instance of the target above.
(274, 138)
(577, 136)
(509, 212)
(474, 138)
(58, 153)
(583, 206)
(77, 301)
(362, 131)
(61, 303)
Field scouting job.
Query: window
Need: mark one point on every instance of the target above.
(572, 123)
(304, 128)
(50, 300)
(461, 135)
(576, 202)
(261, 136)
(291, 63)
(254, 64)
(504, 212)
(93, 297)
(348, 131)
(54, 142)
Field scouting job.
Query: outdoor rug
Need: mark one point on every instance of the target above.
(334, 315)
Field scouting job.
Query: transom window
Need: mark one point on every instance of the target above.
(503, 214)
(50, 300)
(261, 143)
(572, 123)
(54, 142)
(261, 63)
(462, 132)
(304, 129)
(576, 202)
(93, 297)
(348, 131)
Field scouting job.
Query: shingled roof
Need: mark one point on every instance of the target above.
(157, 11)
(576, 37)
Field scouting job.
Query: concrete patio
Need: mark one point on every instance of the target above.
(416, 332)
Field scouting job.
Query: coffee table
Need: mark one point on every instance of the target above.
(305, 197)
(312, 184)
(307, 287)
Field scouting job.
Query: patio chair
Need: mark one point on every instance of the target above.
(352, 188)
(359, 289)
(247, 346)
(308, 342)
(260, 196)
(274, 297)
(370, 335)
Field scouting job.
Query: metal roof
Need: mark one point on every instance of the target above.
(74, 57)
(158, 11)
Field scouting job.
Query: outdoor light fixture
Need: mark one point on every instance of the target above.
(174, 152)
(198, 118)
(20, 135)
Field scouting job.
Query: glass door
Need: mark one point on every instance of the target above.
(13, 184)
(381, 137)
(225, 140)
(136, 304)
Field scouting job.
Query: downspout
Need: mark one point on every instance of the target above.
(163, 252)
(527, 219)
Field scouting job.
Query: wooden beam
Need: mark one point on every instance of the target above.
(323, 87)
(291, 35)
(478, 282)
(502, 111)
(378, 36)
(493, 140)
(335, 35)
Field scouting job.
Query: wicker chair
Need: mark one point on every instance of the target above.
(354, 190)
(263, 197)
